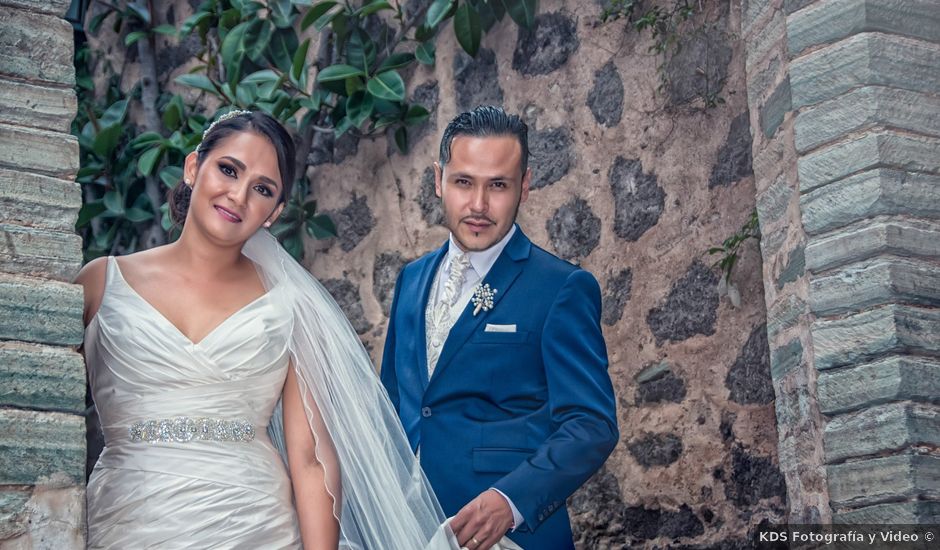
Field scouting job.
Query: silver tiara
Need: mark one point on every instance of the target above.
(223, 118)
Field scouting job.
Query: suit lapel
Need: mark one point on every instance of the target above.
(424, 286)
(500, 278)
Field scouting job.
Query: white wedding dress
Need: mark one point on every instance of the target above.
(189, 461)
(174, 486)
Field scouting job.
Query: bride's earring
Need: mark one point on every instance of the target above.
(188, 183)
(267, 224)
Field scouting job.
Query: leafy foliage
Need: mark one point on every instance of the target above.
(330, 67)
(731, 246)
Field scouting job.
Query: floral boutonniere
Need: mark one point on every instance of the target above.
(483, 298)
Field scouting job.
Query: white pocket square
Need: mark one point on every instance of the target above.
(499, 328)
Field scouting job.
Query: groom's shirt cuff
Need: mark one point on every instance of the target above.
(517, 519)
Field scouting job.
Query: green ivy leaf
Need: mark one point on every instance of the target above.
(138, 215)
(396, 61)
(282, 47)
(194, 21)
(133, 37)
(114, 114)
(438, 12)
(401, 139)
(300, 57)
(360, 50)
(425, 53)
(467, 28)
(234, 49)
(165, 29)
(387, 85)
(320, 227)
(359, 107)
(294, 245)
(424, 33)
(280, 11)
(416, 115)
(140, 12)
(106, 140)
(148, 160)
(522, 11)
(198, 81)
(257, 47)
(373, 7)
(261, 77)
(338, 72)
(88, 212)
(171, 176)
(114, 202)
(316, 12)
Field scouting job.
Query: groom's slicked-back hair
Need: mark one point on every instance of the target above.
(485, 121)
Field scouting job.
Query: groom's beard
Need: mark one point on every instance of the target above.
(463, 246)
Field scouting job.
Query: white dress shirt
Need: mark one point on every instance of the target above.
(480, 264)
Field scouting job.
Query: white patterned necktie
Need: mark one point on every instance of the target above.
(440, 323)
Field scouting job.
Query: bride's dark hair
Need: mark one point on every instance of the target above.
(256, 121)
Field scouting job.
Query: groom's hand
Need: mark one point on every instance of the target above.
(483, 521)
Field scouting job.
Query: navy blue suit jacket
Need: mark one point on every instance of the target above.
(531, 412)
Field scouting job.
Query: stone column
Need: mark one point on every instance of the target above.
(845, 114)
(42, 379)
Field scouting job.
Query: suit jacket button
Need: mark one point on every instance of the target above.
(426, 412)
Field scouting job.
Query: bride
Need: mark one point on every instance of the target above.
(238, 406)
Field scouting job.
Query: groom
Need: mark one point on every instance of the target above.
(494, 357)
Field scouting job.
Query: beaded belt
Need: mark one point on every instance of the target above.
(183, 429)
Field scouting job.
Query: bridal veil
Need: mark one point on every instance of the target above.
(381, 496)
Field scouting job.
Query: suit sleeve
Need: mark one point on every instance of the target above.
(581, 400)
(387, 373)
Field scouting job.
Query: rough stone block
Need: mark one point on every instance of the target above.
(753, 10)
(897, 378)
(52, 7)
(878, 192)
(836, 19)
(773, 111)
(784, 314)
(884, 479)
(876, 333)
(42, 311)
(863, 60)
(772, 37)
(38, 201)
(901, 237)
(772, 204)
(871, 150)
(865, 107)
(898, 513)
(790, 6)
(880, 429)
(37, 446)
(35, 46)
(40, 252)
(37, 106)
(786, 358)
(47, 517)
(42, 377)
(50, 153)
(875, 282)
(794, 268)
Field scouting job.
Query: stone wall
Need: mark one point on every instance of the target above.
(42, 379)
(635, 184)
(844, 93)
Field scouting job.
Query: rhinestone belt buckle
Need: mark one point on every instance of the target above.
(183, 429)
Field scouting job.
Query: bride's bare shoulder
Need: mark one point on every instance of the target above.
(92, 277)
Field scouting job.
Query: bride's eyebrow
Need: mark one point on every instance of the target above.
(241, 166)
